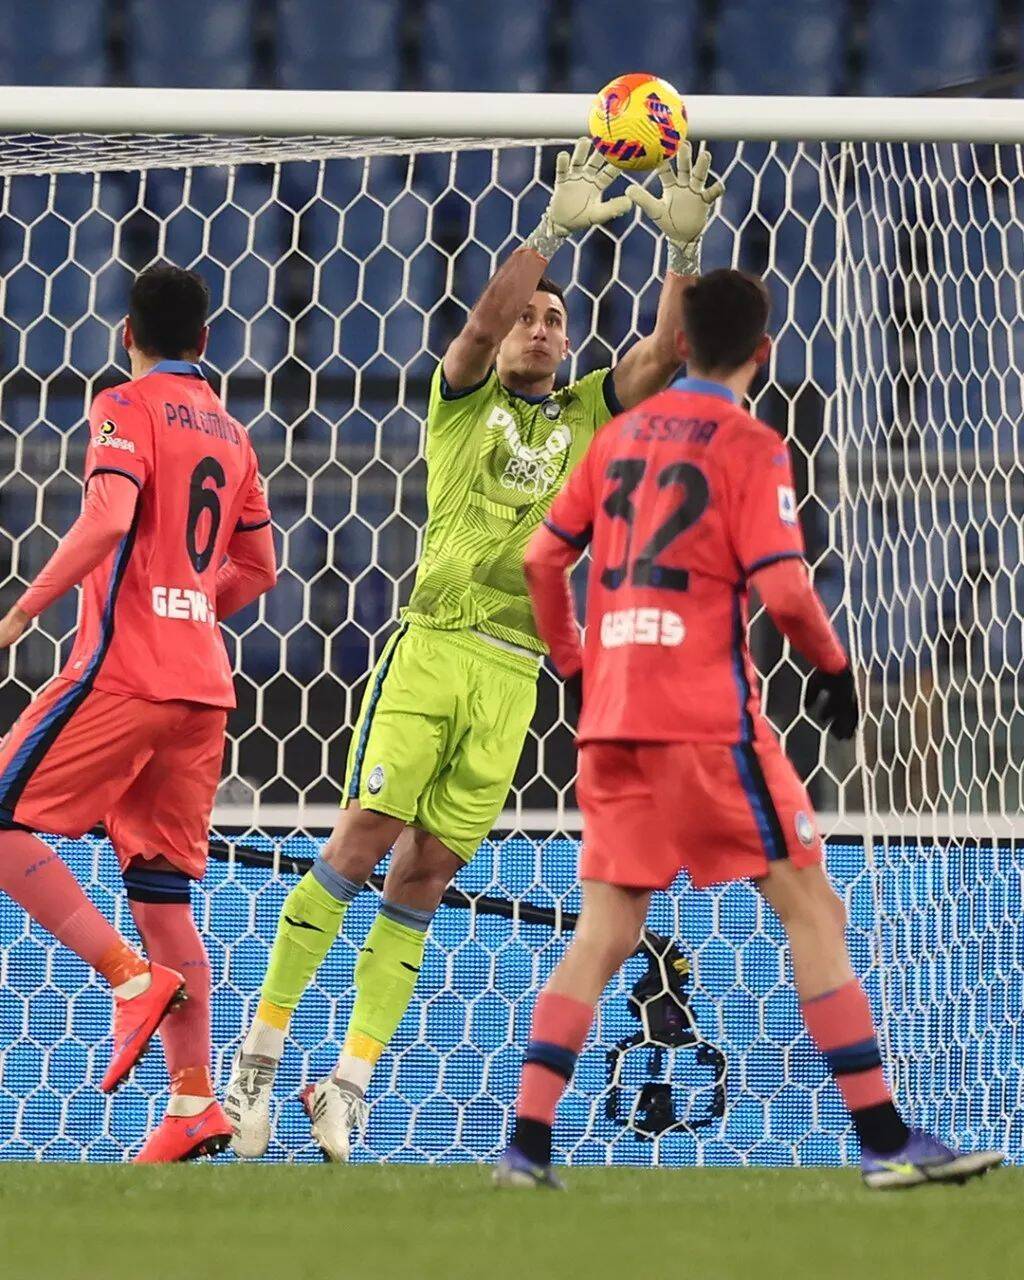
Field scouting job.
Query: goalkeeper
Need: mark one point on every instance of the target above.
(449, 704)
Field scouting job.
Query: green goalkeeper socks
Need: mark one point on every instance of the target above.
(387, 971)
(309, 923)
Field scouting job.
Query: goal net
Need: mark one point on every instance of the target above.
(340, 268)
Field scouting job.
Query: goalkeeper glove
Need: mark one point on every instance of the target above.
(574, 697)
(684, 208)
(833, 698)
(577, 201)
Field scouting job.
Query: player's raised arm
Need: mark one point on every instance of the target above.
(576, 204)
(681, 213)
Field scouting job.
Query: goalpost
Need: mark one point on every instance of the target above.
(344, 237)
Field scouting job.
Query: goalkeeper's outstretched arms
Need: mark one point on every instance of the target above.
(577, 203)
(795, 608)
(681, 213)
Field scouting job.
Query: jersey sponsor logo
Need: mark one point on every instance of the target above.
(107, 437)
(529, 471)
(804, 829)
(375, 782)
(787, 504)
(642, 626)
(184, 604)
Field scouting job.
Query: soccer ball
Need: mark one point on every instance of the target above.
(637, 121)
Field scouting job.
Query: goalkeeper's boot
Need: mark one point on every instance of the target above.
(334, 1110)
(922, 1159)
(515, 1170)
(247, 1103)
(179, 1138)
(136, 1019)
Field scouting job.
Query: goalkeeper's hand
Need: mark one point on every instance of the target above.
(833, 699)
(685, 206)
(578, 199)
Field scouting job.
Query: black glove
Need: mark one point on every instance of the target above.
(833, 700)
(574, 697)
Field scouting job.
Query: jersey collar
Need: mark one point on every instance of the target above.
(705, 387)
(184, 367)
(518, 395)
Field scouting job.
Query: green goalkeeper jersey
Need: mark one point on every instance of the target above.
(495, 461)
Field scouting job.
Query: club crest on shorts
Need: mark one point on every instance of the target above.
(375, 782)
(804, 829)
(550, 410)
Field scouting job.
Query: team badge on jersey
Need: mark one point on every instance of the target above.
(375, 782)
(804, 829)
(550, 410)
(787, 504)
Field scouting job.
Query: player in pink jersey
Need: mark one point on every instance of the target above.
(174, 536)
(686, 502)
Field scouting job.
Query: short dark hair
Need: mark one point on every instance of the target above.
(167, 308)
(725, 316)
(546, 285)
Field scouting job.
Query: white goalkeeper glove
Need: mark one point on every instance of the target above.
(577, 201)
(684, 208)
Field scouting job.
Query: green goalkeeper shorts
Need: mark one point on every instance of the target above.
(440, 733)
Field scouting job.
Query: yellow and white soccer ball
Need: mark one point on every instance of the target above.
(637, 121)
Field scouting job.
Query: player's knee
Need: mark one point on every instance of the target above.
(359, 841)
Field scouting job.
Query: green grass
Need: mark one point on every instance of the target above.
(226, 1222)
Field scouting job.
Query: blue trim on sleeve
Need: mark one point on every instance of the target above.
(251, 528)
(705, 387)
(611, 399)
(448, 394)
(765, 561)
(113, 471)
(578, 540)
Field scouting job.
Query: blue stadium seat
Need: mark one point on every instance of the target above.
(797, 47)
(605, 42)
(39, 45)
(916, 45)
(321, 45)
(191, 44)
(506, 49)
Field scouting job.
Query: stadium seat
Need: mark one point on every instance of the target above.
(665, 42)
(191, 44)
(319, 47)
(800, 47)
(38, 45)
(507, 50)
(916, 45)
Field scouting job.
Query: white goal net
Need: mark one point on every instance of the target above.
(340, 269)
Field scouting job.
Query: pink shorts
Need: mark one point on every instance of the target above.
(147, 771)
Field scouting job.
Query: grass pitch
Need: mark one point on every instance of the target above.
(189, 1222)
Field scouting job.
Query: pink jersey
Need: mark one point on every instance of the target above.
(147, 625)
(680, 500)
